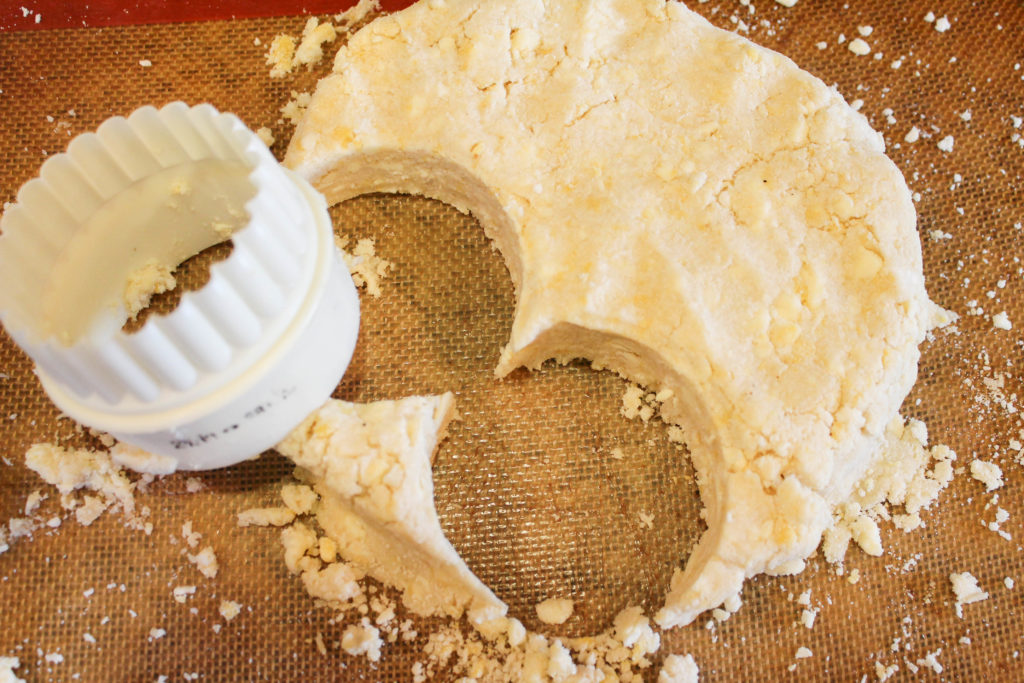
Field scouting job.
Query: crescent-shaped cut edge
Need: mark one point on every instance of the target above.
(721, 561)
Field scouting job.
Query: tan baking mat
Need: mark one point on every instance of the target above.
(526, 488)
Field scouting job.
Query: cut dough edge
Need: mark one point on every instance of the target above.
(706, 581)
(371, 465)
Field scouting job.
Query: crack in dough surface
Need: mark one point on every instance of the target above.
(675, 203)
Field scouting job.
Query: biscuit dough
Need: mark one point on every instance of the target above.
(676, 204)
(371, 465)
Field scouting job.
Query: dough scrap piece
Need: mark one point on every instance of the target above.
(371, 466)
(676, 204)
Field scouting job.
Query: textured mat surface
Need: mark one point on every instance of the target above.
(526, 486)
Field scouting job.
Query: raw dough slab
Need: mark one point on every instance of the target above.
(675, 203)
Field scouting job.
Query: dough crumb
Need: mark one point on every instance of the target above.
(988, 473)
(966, 589)
(33, 501)
(647, 520)
(906, 474)
(358, 12)
(295, 108)
(7, 667)
(883, 672)
(281, 55)
(229, 609)
(299, 498)
(362, 639)
(1001, 321)
(310, 51)
(278, 516)
(859, 47)
(151, 279)
(367, 268)
(143, 462)
(73, 469)
(297, 539)
(206, 562)
(183, 593)
(931, 661)
(266, 136)
(339, 583)
(680, 668)
(554, 610)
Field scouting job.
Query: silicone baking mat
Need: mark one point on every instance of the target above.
(526, 486)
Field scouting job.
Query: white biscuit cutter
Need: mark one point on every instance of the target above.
(240, 361)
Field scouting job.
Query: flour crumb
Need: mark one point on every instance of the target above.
(786, 3)
(157, 633)
(942, 24)
(554, 610)
(913, 135)
(946, 144)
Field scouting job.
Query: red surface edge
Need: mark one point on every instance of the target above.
(25, 15)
